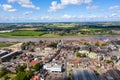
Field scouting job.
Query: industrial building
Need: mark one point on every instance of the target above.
(83, 74)
(2, 53)
(10, 55)
(53, 67)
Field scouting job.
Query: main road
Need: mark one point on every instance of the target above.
(59, 38)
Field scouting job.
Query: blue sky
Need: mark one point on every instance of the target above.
(59, 10)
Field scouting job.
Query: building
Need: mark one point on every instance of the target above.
(2, 53)
(10, 55)
(53, 67)
(83, 51)
(100, 58)
(110, 78)
(83, 74)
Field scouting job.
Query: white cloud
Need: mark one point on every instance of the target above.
(88, 1)
(55, 6)
(74, 2)
(115, 7)
(7, 7)
(45, 17)
(24, 3)
(91, 7)
(66, 16)
(114, 15)
(27, 13)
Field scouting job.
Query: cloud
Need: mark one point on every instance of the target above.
(66, 16)
(7, 7)
(91, 7)
(27, 13)
(57, 6)
(75, 2)
(24, 3)
(115, 7)
(114, 15)
(45, 17)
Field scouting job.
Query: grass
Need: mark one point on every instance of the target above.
(10, 75)
(91, 29)
(6, 44)
(50, 35)
(22, 33)
(31, 29)
(66, 26)
(39, 34)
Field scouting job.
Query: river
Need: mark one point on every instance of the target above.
(61, 38)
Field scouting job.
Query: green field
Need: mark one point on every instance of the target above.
(30, 33)
(7, 44)
(47, 34)
(21, 33)
(50, 35)
(91, 29)
(66, 26)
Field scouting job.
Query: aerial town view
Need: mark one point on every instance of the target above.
(59, 40)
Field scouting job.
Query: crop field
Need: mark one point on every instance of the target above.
(22, 33)
(66, 26)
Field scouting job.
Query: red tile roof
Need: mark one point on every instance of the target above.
(34, 62)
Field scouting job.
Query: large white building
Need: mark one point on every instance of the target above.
(53, 67)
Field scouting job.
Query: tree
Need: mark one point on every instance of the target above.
(103, 44)
(86, 43)
(21, 76)
(78, 48)
(32, 50)
(21, 68)
(40, 42)
(23, 46)
(83, 55)
(3, 72)
(97, 44)
(96, 73)
(38, 66)
(6, 77)
(78, 54)
(29, 74)
(54, 45)
(108, 61)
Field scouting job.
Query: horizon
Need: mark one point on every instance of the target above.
(27, 11)
(58, 22)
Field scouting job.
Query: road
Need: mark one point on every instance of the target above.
(65, 66)
(59, 38)
(55, 54)
(83, 74)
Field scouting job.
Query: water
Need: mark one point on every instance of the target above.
(52, 39)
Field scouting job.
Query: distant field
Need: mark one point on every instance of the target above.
(28, 29)
(22, 33)
(31, 32)
(7, 44)
(50, 35)
(91, 29)
(65, 26)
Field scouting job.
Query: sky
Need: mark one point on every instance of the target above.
(59, 10)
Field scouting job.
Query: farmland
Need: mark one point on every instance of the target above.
(47, 30)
